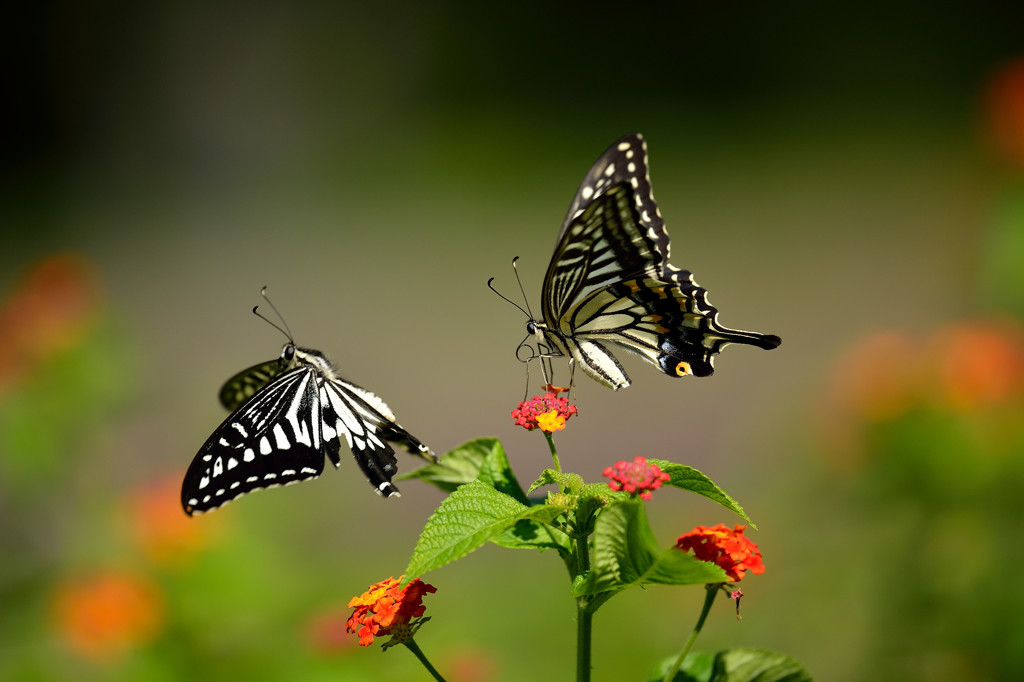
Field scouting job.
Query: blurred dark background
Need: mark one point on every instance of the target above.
(848, 176)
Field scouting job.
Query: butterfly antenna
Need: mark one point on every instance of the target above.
(503, 296)
(285, 330)
(521, 289)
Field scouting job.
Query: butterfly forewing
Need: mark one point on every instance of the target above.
(602, 246)
(273, 439)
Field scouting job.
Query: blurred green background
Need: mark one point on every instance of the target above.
(849, 176)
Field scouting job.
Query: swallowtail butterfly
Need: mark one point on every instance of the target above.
(610, 283)
(287, 414)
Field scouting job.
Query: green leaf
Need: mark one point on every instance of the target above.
(572, 483)
(467, 519)
(734, 665)
(482, 459)
(688, 478)
(757, 665)
(697, 667)
(625, 554)
(530, 534)
(497, 472)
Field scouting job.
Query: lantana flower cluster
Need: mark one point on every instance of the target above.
(547, 412)
(388, 609)
(728, 548)
(636, 477)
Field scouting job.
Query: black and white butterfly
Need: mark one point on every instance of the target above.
(287, 415)
(610, 282)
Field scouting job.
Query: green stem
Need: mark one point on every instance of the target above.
(554, 453)
(584, 623)
(709, 599)
(411, 645)
(584, 617)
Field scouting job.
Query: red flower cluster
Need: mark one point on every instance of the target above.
(548, 412)
(729, 549)
(387, 609)
(636, 477)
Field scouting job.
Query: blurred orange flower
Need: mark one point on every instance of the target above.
(979, 364)
(877, 378)
(106, 615)
(160, 528)
(970, 368)
(974, 364)
(50, 310)
(1004, 110)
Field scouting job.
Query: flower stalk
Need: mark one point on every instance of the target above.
(584, 615)
(411, 645)
(709, 599)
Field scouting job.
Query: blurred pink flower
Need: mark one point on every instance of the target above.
(326, 631)
(471, 665)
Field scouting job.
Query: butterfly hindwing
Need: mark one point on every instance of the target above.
(243, 385)
(610, 282)
(361, 429)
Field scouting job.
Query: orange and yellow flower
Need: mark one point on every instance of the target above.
(388, 609)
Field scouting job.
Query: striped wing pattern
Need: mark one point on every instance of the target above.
(610, 283)
(283, 432)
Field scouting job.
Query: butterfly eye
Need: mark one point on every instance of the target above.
(531, 328)
(288, 353)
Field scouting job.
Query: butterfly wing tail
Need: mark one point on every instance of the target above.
(376, 459)
(396, 434)
(669, 324)
(691, 335)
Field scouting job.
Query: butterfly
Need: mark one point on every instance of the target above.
(287, 414)
(609, 282)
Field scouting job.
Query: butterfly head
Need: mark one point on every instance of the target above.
(288, 355)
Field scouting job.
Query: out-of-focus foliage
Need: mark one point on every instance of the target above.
(847, 176)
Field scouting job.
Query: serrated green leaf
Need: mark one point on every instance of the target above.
(456, 467)
(467, 519)
(757, 665)
(572, 483)
(481, 459)
(497, 472)
(625, 554)
(530, 534)
(688, 478)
